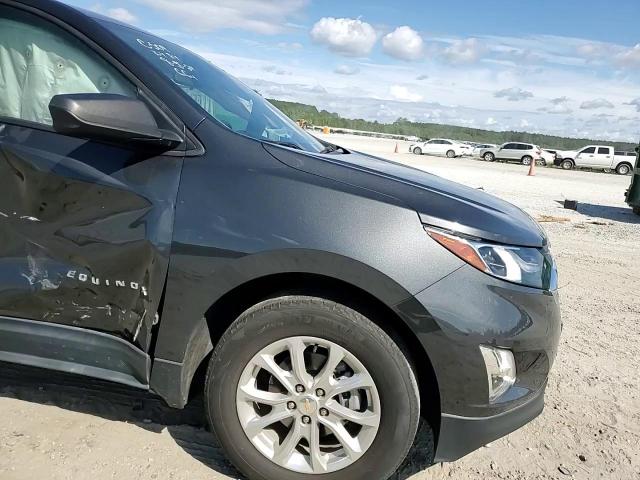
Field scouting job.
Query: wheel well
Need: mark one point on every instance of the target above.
(625, 163)
(224, 312)
(568, 160)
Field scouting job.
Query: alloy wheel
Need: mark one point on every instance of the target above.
(308, 405)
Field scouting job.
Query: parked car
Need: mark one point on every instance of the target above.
(523, 153)
(441, 146)
(601, 157)
(159, 218)
(483, 146)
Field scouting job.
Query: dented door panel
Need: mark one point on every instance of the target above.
(85, 232)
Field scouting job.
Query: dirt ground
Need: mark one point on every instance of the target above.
(56, 426)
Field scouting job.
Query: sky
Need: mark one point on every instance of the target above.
(563, 67)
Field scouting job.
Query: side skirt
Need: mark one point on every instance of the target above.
(73, 350)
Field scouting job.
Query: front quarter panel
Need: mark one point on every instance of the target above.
(242, 214)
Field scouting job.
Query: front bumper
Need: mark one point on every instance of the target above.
(452, 318)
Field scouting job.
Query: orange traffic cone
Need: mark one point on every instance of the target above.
(396, 150)
(532, 169)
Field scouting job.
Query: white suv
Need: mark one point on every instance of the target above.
(441, 146)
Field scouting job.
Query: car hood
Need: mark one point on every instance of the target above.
(439, 202)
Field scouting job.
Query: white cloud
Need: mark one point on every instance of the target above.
(629, 58)
(595, 104)
(513, 94)
(345, 36)
(558, 109)
(275, 70)
(559, 100)
(403, 43)
(402, 93)
(118, 13)
(258, 16)
(464, 51)
(347, 70)
(294, 46)
(491, 121)
(422, 77)
(635, 102)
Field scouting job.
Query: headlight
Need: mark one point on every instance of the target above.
(533, 267)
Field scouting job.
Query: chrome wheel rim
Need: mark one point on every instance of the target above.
(308, 405)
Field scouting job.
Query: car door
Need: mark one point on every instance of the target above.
(509, 151)
(603, 157)
(85, 226)
(431, 147)
(586, 157)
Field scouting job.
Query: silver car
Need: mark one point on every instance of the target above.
(523, 153)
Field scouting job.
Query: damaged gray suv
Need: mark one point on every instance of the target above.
(159, 218)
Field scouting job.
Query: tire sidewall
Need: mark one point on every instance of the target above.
(489, 157)
(526, 160)
(451, 154)
(623, 169)
(391, 372)
(567, 165)
(417, 151)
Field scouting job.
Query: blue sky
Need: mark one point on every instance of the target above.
(563, 67)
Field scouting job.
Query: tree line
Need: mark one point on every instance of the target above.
(402, 126)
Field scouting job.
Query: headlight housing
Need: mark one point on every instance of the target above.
(532, 267)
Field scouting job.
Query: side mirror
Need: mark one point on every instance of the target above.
(112, 118)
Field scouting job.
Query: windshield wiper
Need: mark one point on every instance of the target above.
(285, 144)
(333, 149)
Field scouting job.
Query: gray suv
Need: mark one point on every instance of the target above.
(523, 153)
(164, 227)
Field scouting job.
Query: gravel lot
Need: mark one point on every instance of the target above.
(62, 427)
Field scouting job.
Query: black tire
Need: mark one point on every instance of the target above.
(636, 210)
(623, 169)
(567, 164)
(284, 317)
(451, 154)
(526, 160)
(417, 151)
(489, 157)
(541, 163)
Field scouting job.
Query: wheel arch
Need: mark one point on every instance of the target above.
(223, 312)
(624, 162)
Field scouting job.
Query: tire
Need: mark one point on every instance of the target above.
(567, 164)
(264, 327)
(489, 157)
(541, 163)
(417, 151)
(526, 160)
(623, 169)
(636, 210)
(451, 154)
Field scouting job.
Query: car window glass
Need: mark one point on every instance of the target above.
(222, 97)
(603, 150)
(589, 150)
(445, 142)
(39, 60)
(509, 146)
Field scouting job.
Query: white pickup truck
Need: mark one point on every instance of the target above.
(596, 156)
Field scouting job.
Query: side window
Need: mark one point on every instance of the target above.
(603, 151)
(39, 60)
(589, 150)
(445, 142)
(509, 146)
(432, 142)
(528, 147)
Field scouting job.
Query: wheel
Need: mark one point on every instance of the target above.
(300, 386)
(489, 157)
(541, 163)
(451, 154)
(623, 169)
(567, 164)
(417, 151)
(526, 160)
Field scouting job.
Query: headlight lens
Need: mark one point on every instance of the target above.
(533, 267)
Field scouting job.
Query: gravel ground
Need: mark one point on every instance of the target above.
(57, 426)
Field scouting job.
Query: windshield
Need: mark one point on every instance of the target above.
(228, 101)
